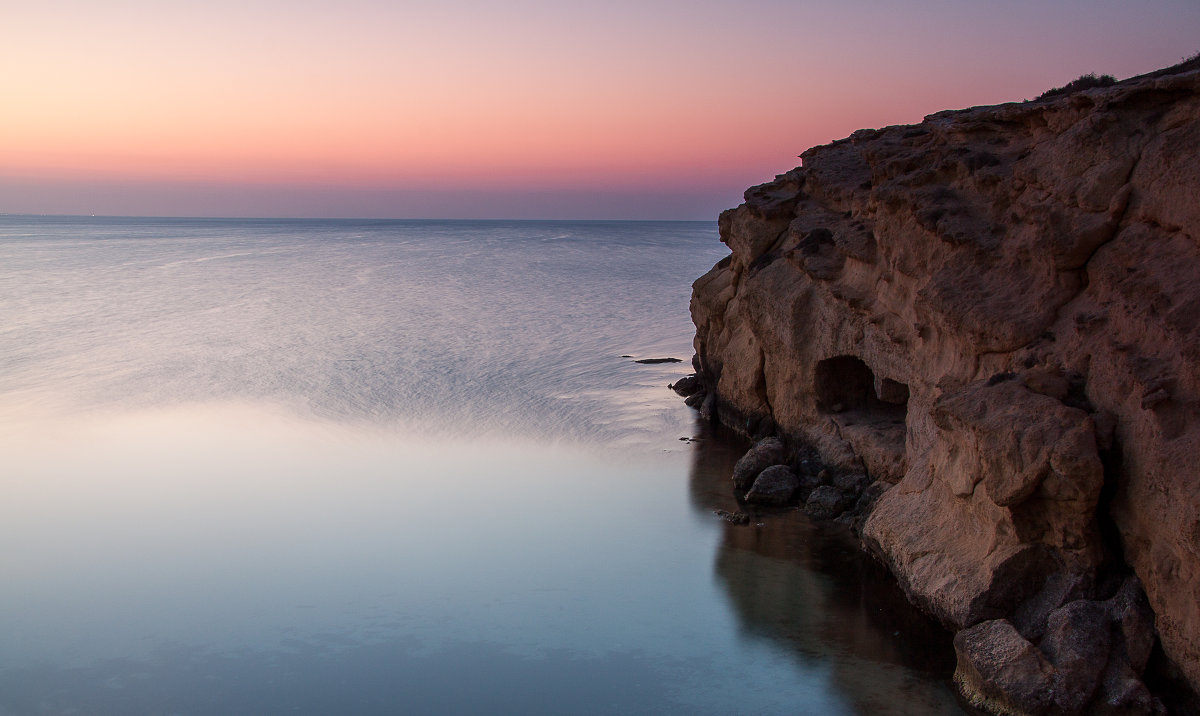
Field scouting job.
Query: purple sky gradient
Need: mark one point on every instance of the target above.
(638, 110)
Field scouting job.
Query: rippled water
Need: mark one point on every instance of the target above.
(398, 467)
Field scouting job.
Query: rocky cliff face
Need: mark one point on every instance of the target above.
(993, 318)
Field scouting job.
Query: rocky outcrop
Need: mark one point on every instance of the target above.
(993, 316)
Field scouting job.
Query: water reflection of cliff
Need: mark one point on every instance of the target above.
(809, 589)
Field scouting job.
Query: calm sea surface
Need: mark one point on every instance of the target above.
(398, 467)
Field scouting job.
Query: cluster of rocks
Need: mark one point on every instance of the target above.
(772, 474)
(1088, 660)
(982, 330)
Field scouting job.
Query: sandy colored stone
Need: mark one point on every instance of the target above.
(954, 307)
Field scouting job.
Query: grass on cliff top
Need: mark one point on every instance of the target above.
(1082, 82)
(1092, 80)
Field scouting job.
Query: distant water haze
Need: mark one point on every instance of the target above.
(442, 327)
(383, 467)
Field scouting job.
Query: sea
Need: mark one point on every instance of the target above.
(400, 467)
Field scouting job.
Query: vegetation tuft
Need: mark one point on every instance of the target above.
(1084, 82)
(1092, 80)
(1187, 64)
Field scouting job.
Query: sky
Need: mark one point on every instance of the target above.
(647, 109)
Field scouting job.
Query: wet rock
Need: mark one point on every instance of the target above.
(825, 503)
(1135, 624)
(851, 482)
(765, 453)
(774, 486)
(1077, 644)
(686, 386)
(736, 518)
(807, 482)
(696, 400)
(1000, 671)
(1123, 693)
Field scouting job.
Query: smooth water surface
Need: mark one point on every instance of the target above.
(398, 467)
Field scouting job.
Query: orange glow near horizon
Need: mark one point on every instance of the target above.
(532, 94)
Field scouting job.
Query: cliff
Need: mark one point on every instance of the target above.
(987, 326)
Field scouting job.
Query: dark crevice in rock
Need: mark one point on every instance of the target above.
(847, 384)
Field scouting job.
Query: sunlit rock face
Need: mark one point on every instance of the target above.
(996, 315)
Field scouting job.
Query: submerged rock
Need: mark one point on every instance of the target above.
(736, 518)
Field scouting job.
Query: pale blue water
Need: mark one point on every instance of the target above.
(398, 467)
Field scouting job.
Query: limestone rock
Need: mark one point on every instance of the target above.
(983, 311)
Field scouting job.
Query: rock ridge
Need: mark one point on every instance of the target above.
(987, 328)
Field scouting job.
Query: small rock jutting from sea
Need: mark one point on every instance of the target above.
(976, 340)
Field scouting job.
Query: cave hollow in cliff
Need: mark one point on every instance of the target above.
(846, 384)
(870, 412)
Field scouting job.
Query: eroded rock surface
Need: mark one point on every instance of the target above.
(993, 318)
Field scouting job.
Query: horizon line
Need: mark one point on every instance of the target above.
(335, 218)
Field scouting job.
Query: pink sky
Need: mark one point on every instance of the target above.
(525, 109)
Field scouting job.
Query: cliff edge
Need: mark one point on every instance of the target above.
(987, 326)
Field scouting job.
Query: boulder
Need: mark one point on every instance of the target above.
(1000, 671)
(825, 503)
(774, 486)
(1077, 643)
(687, 385)
(765, 453)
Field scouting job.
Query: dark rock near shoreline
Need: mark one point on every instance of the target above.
(1087, 662)
(735, 518)
(825, 503)
(1077, 643)
(764, 454)
(687, 385)
(774, 486)
(1000, 671)
(652, 361)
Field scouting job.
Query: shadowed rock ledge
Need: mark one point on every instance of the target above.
(986, 329)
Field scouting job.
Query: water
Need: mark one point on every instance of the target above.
(398, 467)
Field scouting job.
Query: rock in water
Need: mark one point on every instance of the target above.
(1077, 643)
(825, 503)
(990, 312)
(765, 453)
(1000, 671)
(774, 486)
(686, 386)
